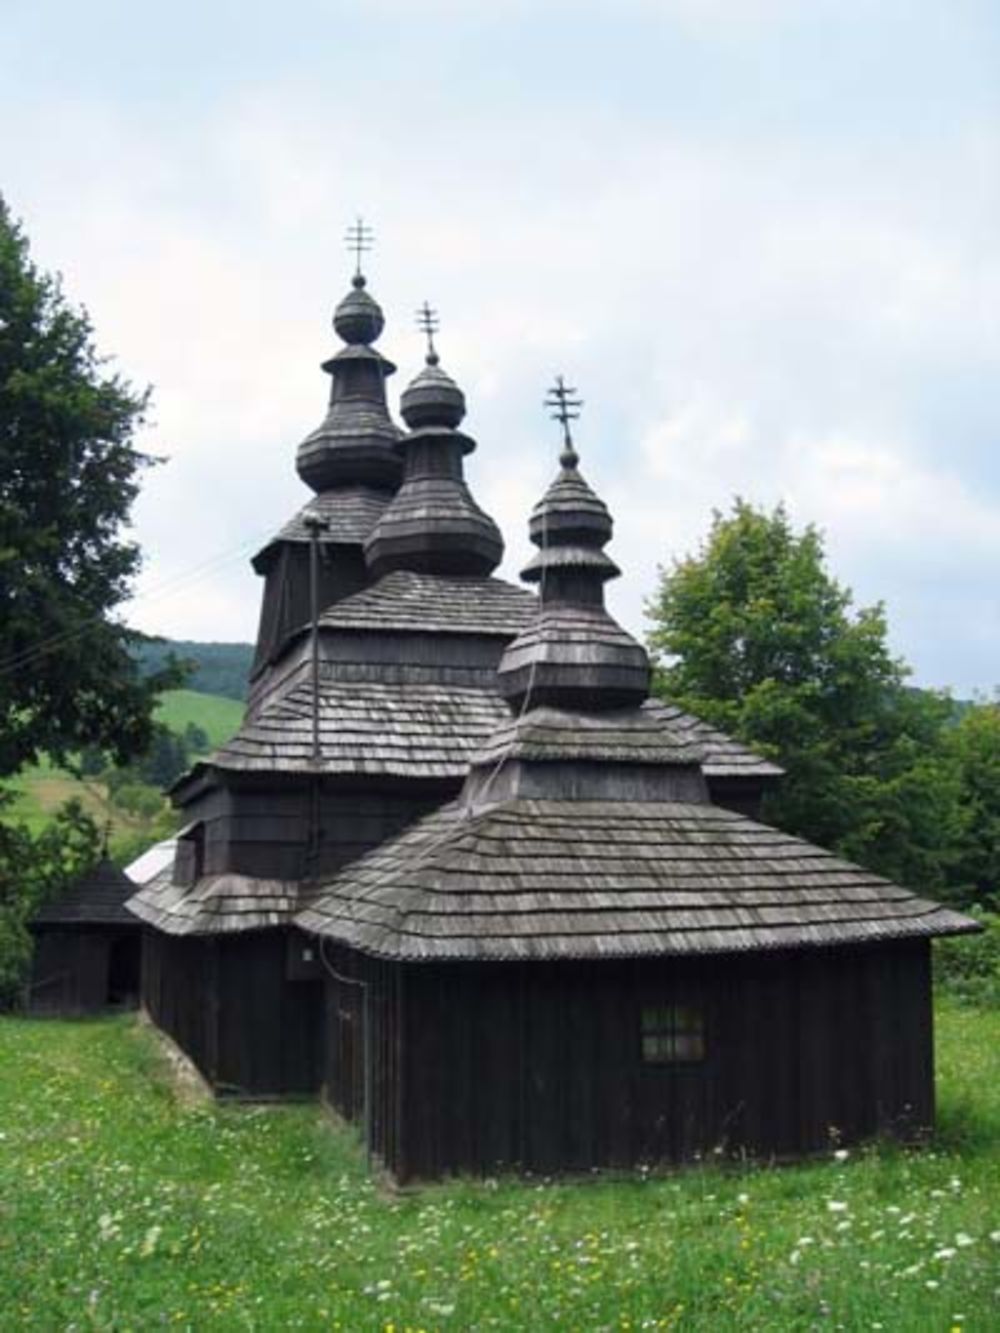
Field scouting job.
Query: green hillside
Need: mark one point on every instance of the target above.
(218, 717)
(40, 790)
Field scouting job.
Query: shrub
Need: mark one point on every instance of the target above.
(968, 966)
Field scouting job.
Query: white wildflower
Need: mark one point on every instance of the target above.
(946, 1252)
(931, 1285)
(836, 1206)
(962, 1239)
(841, 1155)
(149, 1241)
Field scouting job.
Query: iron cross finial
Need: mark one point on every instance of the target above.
(428, 323)
(359, 238)
(564, 406)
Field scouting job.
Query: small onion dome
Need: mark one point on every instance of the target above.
(432, 398)
(356, 444)
(358, 318)
(569, 511)
(433, 525)
(574, 656)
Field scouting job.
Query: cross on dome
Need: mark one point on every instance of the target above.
(428, 323)
(564, 407)
(359, 238)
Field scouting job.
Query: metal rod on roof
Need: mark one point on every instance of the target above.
(315, 525)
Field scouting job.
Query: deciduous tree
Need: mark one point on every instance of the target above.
(69, 472)
(756, 636)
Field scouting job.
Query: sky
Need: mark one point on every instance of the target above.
(760, 236)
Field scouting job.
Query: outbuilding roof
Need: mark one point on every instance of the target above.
(97, 898)
(537, 879)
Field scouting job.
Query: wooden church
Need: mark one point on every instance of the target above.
(458, 874)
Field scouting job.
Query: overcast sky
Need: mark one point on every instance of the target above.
(761, 236)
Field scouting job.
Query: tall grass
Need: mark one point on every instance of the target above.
(123, 1206)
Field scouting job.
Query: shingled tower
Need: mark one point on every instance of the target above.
(350, 460)
(574, 655)
(433, 525)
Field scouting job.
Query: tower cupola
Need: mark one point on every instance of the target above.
(575, 656)
(356, 442)
(433, 525)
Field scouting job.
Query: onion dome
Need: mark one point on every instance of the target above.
(357, 442)
(433, 525)
(575, 656)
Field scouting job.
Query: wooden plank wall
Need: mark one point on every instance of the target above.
(268, 1026)
(362, 1064)
(70, 971)
(263, 829)
(536, 1067)
(178, 994)
(228, 1004)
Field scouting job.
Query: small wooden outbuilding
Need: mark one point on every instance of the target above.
(87, 946)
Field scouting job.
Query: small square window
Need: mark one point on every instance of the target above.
(672, 1034)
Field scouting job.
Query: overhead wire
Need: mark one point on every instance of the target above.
(32, 654)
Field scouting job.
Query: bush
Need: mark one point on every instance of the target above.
(967, 967)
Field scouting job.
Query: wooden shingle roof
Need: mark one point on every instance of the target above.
(724, 757)
(366, 727)
(216, 904)
(97, 898)
(531, 879)
(431, 603)
(635, 735)
(350, 514)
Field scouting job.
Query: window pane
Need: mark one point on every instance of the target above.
(672, 1034)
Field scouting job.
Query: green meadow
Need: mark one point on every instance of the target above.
(126, 1203)
(40, 789)
(218, 717)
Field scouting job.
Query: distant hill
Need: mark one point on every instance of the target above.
(220, 668)
(217, 716)
(40, 789)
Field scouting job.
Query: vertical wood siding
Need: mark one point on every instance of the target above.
(536, 1067)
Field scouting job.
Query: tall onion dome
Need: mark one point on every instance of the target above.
(433, 524)
(575, 656)
(351, 460)
(356, 442)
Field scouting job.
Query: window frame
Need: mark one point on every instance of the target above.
(672, 1034)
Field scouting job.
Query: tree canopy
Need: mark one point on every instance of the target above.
(69, 472)
(754, 635)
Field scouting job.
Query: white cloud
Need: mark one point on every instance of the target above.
(763, 314)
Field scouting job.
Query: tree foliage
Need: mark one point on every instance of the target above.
(757, 637)
(974, 745)
(68, 476)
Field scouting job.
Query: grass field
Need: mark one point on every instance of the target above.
(217, 717)
(124, 1207)
(41, 789)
